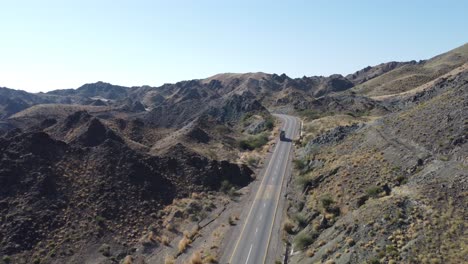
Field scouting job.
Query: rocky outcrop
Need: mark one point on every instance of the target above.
(95, 133)
(333, 136)
(198, 135)
(332, 84)
(99, 89)
(369, 72)
(49, 187)
(345, 104)
(235, 107)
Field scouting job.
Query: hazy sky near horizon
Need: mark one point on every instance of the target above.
(48, 45)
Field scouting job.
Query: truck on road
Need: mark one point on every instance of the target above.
(282, 135)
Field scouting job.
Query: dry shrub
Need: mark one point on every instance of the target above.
(148, 239)
(164, 240)
(169, 260)
(170, 227)
(183, 243)
(194, 231)
(196, 258)
(196, 195)
(350, 241)
(127, 260)
(310, 253)
(288, 226)
(211, 259)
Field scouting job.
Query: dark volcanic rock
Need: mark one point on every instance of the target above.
(333, 136)
(198, 135)
(48, 187)
(234, 108)
(26, 171)
(346, 104)
(98, 102)
(13, 101)
(375, 71)
(334, 83)
(96, 133)
(217, 171)
(138, 107)
(99, 89)
(75, 119)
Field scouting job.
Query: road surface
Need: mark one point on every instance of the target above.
(253, 241)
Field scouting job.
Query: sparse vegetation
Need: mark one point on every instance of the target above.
(401, 179)
(269, 123)
(183, 244)
(164, 240)
(104, 249)
(299, 164)
(127, 260)
(253, 142)
(374, 191)
(100, 220)
(310, 114)
(227, 188)
(169, 260)
(288, 226)
(301, 219)
(6, 259)
(373, 260)
(253, 162)
(160, 165)
(303, 240)
(327, 202)
(210, 259)
(196, 258)
(350, 241)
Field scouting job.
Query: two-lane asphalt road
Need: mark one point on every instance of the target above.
(254, 239)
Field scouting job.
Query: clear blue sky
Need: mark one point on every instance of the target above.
(47, 45)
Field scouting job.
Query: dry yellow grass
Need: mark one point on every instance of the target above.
(288, 226)
(424, 86)
(127, 260)
(210, 259)
(170, 227)
(318, 126)
(169, 260)
(183, 243)
(196, 258)
(164, 240)
(310, 252)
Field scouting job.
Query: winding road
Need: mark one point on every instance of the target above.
(252, 245)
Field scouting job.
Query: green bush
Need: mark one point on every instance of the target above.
(299, 164)
(253, 162)
(253, 142)
(401, 179)
(6, 259)
(100, 220)
(246, 116)
(310, 114)
(303, 181)
(104, 249)
(301, 219)
(373, 260)
(326, 201)
(269, 123)
(374, 191)
(226, 186)
(302, 240)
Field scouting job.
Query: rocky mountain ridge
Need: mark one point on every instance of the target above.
(97, 173)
